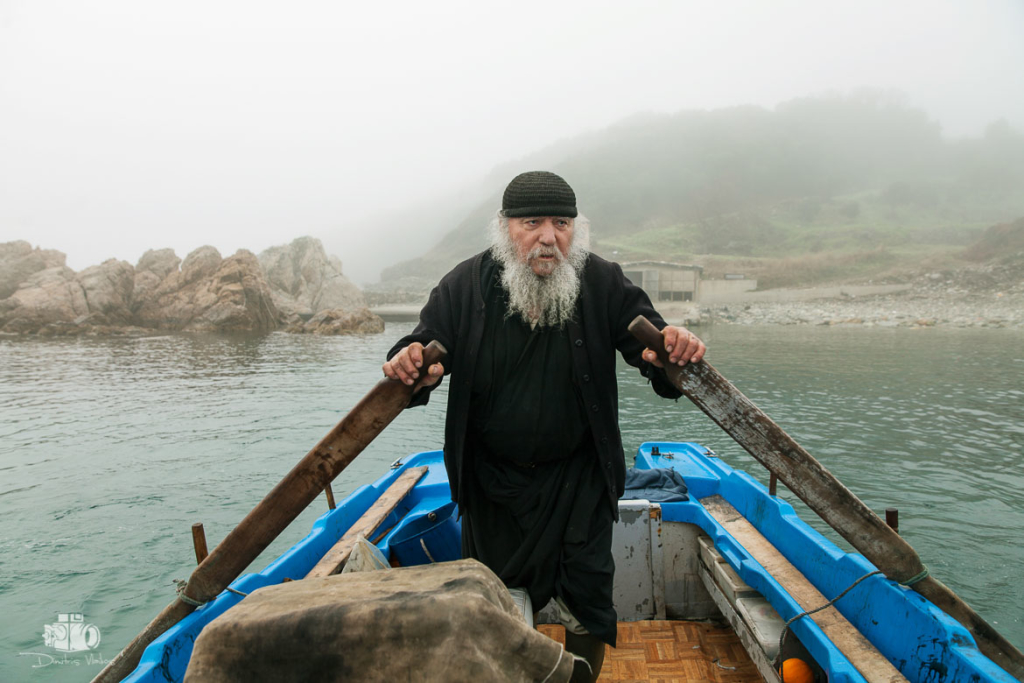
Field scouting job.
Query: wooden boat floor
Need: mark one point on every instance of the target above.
(671, 652)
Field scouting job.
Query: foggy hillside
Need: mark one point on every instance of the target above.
(841, 175)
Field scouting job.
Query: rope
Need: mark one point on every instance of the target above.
(785, 629)
(184, 598)
(552, 672)
(914, 579)
(427, 552)
(181, 584)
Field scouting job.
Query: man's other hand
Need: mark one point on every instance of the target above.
(681, 345)
(405, 366)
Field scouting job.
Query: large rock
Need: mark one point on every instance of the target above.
(47, 297)
(202, 263)
(340, 321)
(19, 261)
(57, 301)
(160, 262)
(152, 269)
(305, 281)
(108, 291)
(210, 294)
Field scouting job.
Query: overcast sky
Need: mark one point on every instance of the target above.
(127, 125)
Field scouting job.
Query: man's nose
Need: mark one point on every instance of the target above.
(547, 233)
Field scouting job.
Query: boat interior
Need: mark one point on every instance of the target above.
(704, 587)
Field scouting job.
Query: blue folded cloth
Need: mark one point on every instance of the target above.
(658, 485)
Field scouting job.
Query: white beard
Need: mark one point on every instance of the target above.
(545, 299)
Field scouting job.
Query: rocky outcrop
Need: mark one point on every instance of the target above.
(39, 294)
(55, 300)
(154, 266)
(304, 280)
(340, 321)
(108, 290)
(208, 294)
(47, 297)
(19, 261)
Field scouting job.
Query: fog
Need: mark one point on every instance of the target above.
(127, 125)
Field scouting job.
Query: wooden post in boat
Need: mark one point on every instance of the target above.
(330, 497)
(821, 491)
(199, 542)
(278, 509)
(773, 484)
(892, 518)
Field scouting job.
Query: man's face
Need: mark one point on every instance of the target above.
(542, 242)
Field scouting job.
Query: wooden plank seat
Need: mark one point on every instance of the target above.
(864, 656)
(334, 560)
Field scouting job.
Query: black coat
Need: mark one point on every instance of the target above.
(608, 302)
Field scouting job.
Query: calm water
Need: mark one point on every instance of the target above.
(111, 449)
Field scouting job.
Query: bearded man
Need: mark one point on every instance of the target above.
(532, 445)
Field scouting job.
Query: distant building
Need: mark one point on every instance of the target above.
(664, 281)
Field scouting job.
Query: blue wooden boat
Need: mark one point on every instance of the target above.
(691, 560)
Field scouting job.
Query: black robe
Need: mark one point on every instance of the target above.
(578, 495)
(454, 315)
(536, 516)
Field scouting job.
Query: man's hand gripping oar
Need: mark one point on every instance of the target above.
(823, 493)
(281, 506)
(407, 364)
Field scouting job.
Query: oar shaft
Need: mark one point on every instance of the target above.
(279, 508)
(820, 490)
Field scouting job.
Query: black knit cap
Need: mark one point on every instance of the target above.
(538, 193)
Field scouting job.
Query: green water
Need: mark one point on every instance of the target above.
(110, 449)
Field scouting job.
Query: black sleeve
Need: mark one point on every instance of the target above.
(436, 323)
(633, 301)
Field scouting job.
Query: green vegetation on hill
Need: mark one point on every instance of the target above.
(818, 189)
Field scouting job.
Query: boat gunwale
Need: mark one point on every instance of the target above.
(942, 643)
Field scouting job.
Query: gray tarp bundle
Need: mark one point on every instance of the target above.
(658, 485)
(452, 621)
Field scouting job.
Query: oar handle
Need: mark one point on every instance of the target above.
(434, 352)
(650, 336)
(819, 488)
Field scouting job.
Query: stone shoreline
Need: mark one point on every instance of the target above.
(914, 308)
(989, 295)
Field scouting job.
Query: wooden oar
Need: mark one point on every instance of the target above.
(281, 506)
(823, 493)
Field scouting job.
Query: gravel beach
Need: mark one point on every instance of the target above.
(984, 296)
